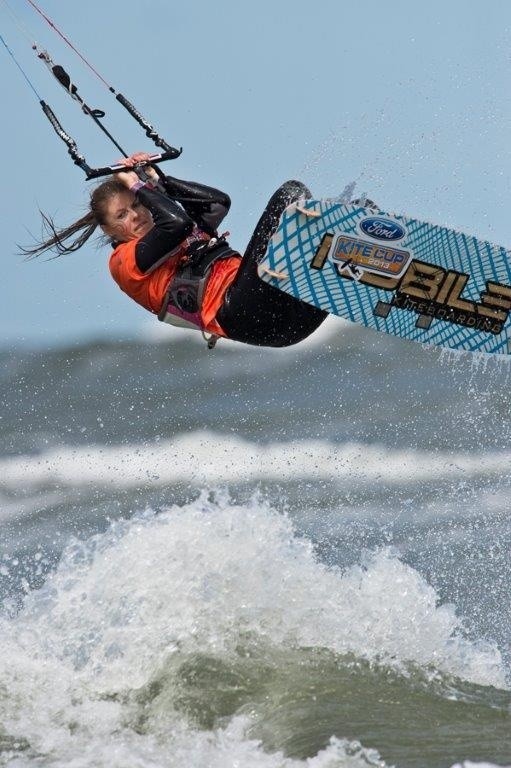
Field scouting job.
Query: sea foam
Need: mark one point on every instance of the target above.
(203, 458)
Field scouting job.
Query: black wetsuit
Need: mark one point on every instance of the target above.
(253, 311)
(198, 204)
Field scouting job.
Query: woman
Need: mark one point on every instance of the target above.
(169, 258)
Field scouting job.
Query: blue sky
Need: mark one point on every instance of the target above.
(410, 101)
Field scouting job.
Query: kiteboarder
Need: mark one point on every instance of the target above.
(169, 257)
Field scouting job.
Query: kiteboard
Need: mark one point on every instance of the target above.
(396, 274)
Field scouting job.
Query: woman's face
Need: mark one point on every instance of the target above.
(125, 218)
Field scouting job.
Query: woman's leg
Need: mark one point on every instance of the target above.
(255, 312)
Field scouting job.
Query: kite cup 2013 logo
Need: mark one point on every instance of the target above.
(372, 251)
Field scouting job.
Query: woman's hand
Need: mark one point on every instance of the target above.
(141, 157)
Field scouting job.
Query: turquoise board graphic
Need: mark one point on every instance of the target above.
(406, 277)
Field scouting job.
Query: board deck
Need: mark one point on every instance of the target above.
(396, 274)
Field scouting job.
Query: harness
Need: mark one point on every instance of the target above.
(182, 303)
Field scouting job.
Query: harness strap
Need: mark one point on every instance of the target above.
(183, 299)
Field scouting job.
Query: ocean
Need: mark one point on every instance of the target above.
(253, 558)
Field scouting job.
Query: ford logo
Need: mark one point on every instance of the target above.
(382, 229)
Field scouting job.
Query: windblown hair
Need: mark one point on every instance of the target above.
(74, 236)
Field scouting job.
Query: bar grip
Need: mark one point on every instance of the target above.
(109, 170)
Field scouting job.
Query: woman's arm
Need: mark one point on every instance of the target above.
(174, 213)
(207, 206)
(172, 225)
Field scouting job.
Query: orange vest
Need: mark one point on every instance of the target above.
(149, 290)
